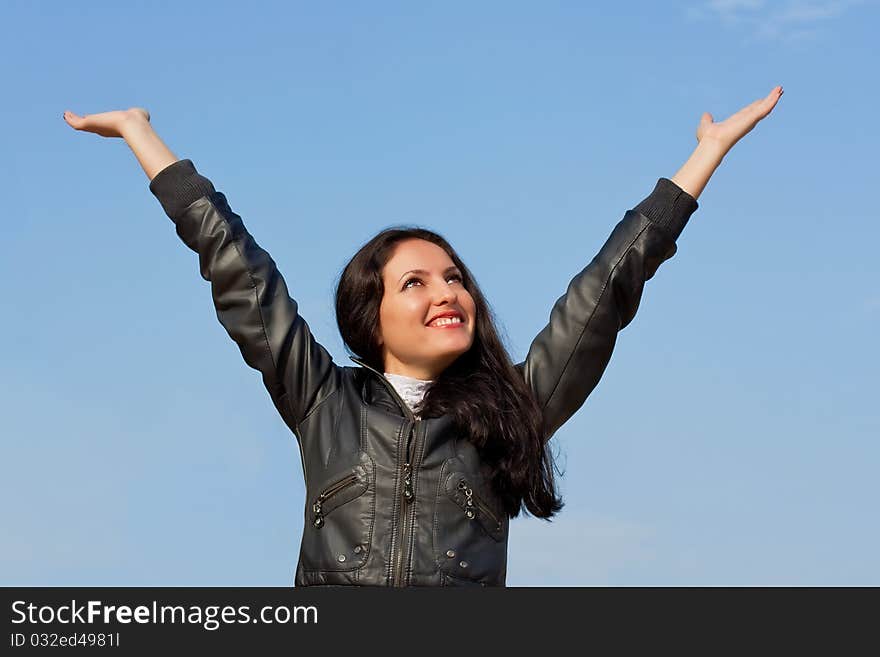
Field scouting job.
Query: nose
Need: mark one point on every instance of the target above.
(446, 294)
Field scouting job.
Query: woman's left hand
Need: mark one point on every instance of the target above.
(729, 131)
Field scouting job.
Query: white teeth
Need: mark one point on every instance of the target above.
(445, 320)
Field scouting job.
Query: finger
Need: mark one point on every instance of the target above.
(763, 105)
(750, 109)
(770, 101)
(756, 105)
(74, 120)
(773, 96)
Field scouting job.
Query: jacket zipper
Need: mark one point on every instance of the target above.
(327, 493)
(401, 538)
(405, 526)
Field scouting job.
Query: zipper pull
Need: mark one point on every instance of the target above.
(407, 467)
(470, 511)
(332, 490)
(319, 517)
(407, 482)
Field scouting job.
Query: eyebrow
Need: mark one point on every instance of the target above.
(422, 271)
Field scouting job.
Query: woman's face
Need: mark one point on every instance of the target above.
(412, 343)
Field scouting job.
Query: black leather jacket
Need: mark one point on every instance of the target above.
(391, 499)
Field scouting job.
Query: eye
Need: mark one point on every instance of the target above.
(454, 277)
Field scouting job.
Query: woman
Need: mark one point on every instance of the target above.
(416, 459)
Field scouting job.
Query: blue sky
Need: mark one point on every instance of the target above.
(733, 437)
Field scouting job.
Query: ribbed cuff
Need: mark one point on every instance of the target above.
(668, 206)
(178, 186)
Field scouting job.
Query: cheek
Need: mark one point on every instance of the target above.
(471, 307)
(400, 313)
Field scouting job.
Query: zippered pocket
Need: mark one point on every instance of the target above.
(337, 493)
(469, 531)
(339, 515)
(460, 490)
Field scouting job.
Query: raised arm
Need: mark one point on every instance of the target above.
(569, 356)
(250, 296)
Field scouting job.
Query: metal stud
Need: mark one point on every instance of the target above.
(463, 564)
(357, 549)
(340, 558)
(450, 553)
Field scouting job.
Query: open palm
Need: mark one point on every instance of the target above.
(106, 124)
(733, 128)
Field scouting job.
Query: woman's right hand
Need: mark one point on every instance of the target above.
(106, 124)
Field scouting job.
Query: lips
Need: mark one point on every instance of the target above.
(449, 325)
(449, 314)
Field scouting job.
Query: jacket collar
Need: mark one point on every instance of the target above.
(380, 389)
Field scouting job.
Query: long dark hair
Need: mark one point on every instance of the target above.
(482, 390)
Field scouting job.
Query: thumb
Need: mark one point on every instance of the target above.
(705, 122)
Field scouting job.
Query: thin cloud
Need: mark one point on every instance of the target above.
(728, 6)
(793, 21)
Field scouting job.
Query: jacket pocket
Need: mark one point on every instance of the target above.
(469, 530)
(460, 490)
(337, 493)
(339, 520)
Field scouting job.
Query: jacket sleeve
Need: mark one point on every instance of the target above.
(250, 295)
(567, 358)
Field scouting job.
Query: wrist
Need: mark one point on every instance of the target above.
(134, 125)
(714, 147)
(695, 173)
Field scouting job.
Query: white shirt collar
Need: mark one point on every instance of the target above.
(410, 389)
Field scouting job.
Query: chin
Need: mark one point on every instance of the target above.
(455, 354)
(452, 352)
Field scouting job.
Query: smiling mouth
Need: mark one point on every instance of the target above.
(447, 322)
